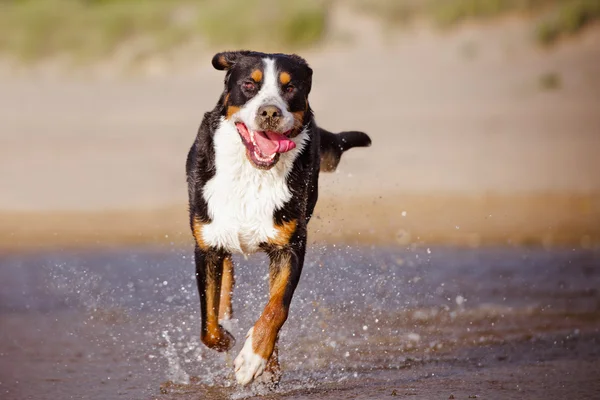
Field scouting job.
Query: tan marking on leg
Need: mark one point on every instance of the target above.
(274, 315)
(212, 336)
(227, 282)
(218, 339)
(285, 78)
(215, 337)
(231, 110)
(284, 233)
(197, 231)
(257, 75)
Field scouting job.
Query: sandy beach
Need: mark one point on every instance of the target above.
(461, 123)
(457, 258)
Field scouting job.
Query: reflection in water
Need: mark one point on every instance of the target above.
(118, 323)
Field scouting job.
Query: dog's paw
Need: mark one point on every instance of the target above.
(221, 340)
(248, 365)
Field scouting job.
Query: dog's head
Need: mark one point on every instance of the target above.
(266, 97)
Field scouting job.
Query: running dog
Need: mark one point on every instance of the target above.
(252, 176)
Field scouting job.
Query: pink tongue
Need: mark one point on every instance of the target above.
(270, 143)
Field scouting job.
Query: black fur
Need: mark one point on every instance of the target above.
(322, 153)
(334, 144)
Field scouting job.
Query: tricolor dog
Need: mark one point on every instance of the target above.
(252, 175)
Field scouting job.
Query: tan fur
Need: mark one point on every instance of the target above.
(227, 282)
(223, 62)
(284, 233)
(215, 337)
(212, 338)
(274, 315)
(257, 75)
(197, 230)
(298, 119)
(285, 78)
(231, 110)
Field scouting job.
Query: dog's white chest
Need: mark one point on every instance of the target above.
(241, 198)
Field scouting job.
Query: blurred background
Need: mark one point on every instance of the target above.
(484, 114)
(456, 257)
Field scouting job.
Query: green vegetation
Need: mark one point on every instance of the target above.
(567, 19)
(550, 81)
(275, 23)
(91, 29)
(31, 29)
(554, 18)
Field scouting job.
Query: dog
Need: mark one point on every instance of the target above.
(252, 175)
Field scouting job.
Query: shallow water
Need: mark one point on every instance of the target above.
(365, 323)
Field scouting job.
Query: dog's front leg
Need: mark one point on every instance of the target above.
(284, 274)
(209, 271)
(227, 283)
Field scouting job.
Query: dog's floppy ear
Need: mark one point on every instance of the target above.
(307, 69)
(227, 59)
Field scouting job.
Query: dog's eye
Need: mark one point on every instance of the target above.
(289, 89)
(249, 86)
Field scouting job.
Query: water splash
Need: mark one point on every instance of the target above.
(175, 372)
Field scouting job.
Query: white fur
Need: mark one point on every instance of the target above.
(242, 198)
(248, 365)
(268, 94)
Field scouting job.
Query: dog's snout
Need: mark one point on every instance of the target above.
(268, 117)
(270, 112)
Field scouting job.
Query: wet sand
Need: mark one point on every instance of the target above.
(469, 150)
(495, 323)
(389, 219)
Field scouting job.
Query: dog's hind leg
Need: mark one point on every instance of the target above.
(284, 274)
(227, 283)
(333, 145)
(209, 272)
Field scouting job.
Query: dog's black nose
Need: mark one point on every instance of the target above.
(269, 115)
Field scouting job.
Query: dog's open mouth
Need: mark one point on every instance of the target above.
(263, 147)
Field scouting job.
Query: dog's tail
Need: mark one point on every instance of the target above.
(334, 144)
